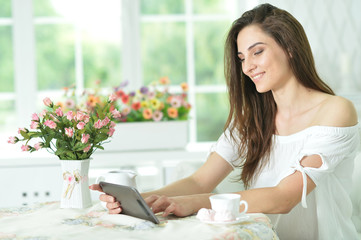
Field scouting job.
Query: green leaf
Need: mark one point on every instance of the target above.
(99, 146)
(100, 137)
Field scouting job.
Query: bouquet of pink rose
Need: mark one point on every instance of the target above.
(71, 135)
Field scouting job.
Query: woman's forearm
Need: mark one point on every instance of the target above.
(185, 186)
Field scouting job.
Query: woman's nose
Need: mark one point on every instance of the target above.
(248, 66)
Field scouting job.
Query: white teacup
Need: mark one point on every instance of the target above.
(226, 206)
(120, 177)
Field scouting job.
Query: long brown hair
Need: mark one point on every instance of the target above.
(252, 114)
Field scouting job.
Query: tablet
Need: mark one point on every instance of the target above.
(131, 201)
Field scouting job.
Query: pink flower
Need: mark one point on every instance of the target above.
(105, 121)
(69, 103)
(113, 97)
(85, 138)
(47, 102)
(157, 116)
(13, 140)
(34, 117)
(80, 125)
(38, 145)
(176, 102)
(112, 124)
(80, 116)
(87, 148)
(111, 132)
(69, 115)
(25, 148)
(43, 113)
(21, 130)
(98, 124)
(126, 110)
(116, 114)
(69, 132)
(86, 118)
(50, 124)
(59, 112)
(34, 125)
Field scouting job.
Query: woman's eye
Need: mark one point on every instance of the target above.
(258, 52)
(241, 60)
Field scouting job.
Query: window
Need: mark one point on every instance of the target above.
(185, 42)
(79, 42)
(7, 90)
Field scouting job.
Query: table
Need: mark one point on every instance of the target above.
(45, 221)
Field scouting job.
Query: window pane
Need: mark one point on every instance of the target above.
(7, 114)
(209, 45)
(213, 6)
(5, 9)
(163, 52)
(44, 8)
(101, 38)
(55, 56)
(6, 60)
(162, 7)
(212, 113)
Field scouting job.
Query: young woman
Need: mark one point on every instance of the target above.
(293, 138)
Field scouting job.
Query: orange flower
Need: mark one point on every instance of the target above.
(147, 113)
(60, 104)
(172, 112)
(93, 100)
(164, 80)
(184, 86)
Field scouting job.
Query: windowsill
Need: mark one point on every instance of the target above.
(13, 157)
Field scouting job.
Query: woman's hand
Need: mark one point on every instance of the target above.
(113, 206)
(180, 206)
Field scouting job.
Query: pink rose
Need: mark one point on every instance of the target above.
(59, 112)
(86, 118)
(69, 115)
(116, 114)
(13, 140)
(80, 116)
(34, 117)
(25, 148)
(111, 132)
(38, 145)
(21, 130)
(98, 124)
(85, 138)
(69, 132)
(105, 121)
(50, 124)
(87, 148)
(113, 97)
(47, 102)
(34, 125)
(80, 125)
(43, 113)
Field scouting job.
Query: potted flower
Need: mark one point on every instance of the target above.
(73, 137)
(152, 103)
(152, 117)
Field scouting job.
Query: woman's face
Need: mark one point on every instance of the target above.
(263, 60)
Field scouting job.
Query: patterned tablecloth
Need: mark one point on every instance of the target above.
(45, 221)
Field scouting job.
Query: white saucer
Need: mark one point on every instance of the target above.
(238, 220)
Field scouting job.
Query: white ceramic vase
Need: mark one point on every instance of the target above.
(75, 193)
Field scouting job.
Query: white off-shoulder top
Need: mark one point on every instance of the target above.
(326, 212)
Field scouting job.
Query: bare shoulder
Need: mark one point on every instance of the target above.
(337, 111)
